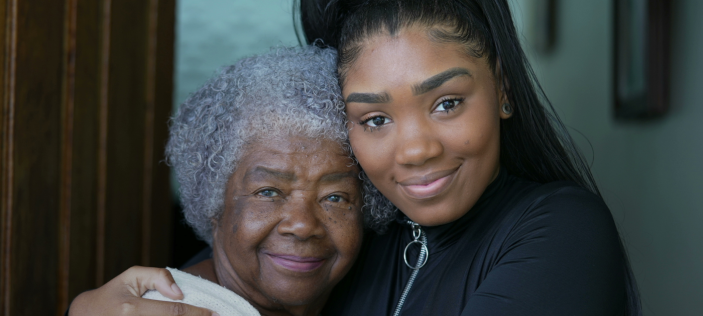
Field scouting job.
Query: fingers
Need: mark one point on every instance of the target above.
(166, 285)
(150, 307)
(141, 279)
(122, 296)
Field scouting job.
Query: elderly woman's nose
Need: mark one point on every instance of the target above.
(300, 218)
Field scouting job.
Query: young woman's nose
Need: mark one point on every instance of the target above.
(416, 144)
(300, 218)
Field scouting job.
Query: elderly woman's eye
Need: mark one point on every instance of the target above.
(268, 193)
(335, 198)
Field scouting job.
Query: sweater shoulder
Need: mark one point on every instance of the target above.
(203, 293)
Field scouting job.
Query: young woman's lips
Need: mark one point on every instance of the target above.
(295, 263)
(429, 185)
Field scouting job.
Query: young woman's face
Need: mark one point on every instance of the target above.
(292, 224)
(425, 123)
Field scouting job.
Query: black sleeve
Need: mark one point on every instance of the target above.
(563, 257)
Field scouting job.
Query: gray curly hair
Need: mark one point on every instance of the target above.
(285, 91)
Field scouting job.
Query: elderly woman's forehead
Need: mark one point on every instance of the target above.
(291, 144)
(301, 161)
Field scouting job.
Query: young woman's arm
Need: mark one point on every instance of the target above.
(122, 296)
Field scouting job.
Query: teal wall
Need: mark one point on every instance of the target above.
(213, 33)
(651, 173)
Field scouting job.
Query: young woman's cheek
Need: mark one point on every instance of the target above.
(371, 146)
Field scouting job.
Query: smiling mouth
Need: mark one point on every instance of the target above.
(295, 263)
(429, 185)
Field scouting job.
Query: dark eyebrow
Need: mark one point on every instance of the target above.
(263, 172)
(333, 177)
(439, 79)
(382, 97)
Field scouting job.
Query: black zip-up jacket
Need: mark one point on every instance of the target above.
(524, 249)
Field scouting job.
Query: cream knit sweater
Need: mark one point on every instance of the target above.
(203, 293)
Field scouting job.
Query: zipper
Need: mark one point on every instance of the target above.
(419, 237)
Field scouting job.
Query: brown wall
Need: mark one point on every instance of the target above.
(86, 93)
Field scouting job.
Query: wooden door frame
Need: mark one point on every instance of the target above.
(86, 95)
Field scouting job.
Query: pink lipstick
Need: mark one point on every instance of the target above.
(295, 263)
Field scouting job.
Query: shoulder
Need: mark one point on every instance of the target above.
(203, 293)
(557, 240)
(557, 192)
(563, 200)
(567, 193)
(565, 213)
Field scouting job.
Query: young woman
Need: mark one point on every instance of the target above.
(497, 213)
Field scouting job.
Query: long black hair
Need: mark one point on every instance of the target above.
(534, 143)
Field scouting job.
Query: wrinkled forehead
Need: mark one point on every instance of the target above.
(294, 157)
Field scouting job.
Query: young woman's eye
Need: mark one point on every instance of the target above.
(375, 121)
(448, 104)
(334, 198)
(268, 193)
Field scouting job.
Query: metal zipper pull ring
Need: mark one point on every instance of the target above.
(419, 238)
(417, 233)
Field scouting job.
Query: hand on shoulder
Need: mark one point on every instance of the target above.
(122, 296)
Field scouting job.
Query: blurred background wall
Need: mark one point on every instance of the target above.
(649, 172)
(214, 33)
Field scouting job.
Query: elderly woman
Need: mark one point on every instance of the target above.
(266, 177)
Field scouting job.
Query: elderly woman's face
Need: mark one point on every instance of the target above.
(292, 224)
